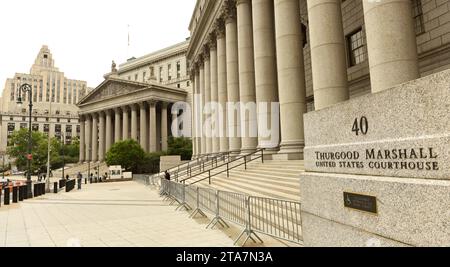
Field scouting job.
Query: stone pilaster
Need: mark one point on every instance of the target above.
(206, 103)
(109, 131)
(88, 138)
(203, 94)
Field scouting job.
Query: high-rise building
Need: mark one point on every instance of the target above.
(54, 101)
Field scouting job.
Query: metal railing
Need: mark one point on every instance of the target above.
(277, 218)
(227, 166)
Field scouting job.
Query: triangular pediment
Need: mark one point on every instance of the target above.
(111, 88)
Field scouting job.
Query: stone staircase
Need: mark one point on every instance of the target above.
(83, 168)
(273, 179)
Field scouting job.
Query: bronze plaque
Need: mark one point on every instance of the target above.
(361, 202)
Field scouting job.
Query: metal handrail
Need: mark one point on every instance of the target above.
(227, 170)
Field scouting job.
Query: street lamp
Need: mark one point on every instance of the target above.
(26, 88)
(62, 148)
(89, 164)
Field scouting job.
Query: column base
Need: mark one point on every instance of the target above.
(290, 151)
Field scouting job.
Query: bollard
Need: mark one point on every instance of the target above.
(6, 198)
(35, 193)
(90, 180)
(79, 184)
(55, 187)
(85, 180)
(20, 189)
(24, 192)
(15, 195)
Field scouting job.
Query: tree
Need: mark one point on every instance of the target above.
(127, 154)
(180, 146)
(19, 150)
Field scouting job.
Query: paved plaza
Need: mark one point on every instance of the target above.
(110, 215)
(104, 215)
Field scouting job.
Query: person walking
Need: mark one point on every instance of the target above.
(167, 175)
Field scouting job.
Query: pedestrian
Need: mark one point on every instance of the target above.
(167, 175)
(67, 177)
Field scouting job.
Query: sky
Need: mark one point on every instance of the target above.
(84, 36)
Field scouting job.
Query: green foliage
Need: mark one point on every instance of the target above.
(127, 154)
(180, 146)
(19, 150)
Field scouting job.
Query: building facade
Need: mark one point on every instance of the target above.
(136, 102)
(54, 101)
(306, 55)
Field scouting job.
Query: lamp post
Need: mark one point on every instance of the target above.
(63, 143)
(89, 164)
(26, 88)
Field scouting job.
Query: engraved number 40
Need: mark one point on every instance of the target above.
(360, 126)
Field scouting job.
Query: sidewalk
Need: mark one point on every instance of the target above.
(103, 215)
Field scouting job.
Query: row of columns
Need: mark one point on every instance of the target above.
(255, 54)
(99, 132)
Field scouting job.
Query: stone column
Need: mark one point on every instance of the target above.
(94, 138)
(207, 116)
(391, 43)
(194, 147)
(102, 137)
(126, 123)
(143, 124)
(88, 138)
(215, 148)
(222, 84)
(247, 92)
(134, 123)
(117, 124)
(203, 94)
(152, 126)
(109, 131)
(328, 57)
(164, 132)
(197, 110)
(82, 139)
(234, 121)
(291, 77)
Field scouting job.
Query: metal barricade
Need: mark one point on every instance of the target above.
(277, 218)
(233, 207)
(191, 196)
(207, 200)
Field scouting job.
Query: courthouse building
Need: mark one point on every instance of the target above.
(135, 102)
(54, 101)
(307, 55)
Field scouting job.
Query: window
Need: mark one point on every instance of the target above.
(418, 16)
(58, 129)
(35, 119)
(169, 70)
(129, 78)
(24, 118)
(13, 91)
(69, 130)
(58, 120)
(143, 76)
(356, 48)
(178, 86)
(46, 128)
(23, 126)
(188, 83)
(24, 110)
(136, 77)
(152, 72)
(58, 112)
(160, 74)
(11, 118)
(178, 69)
(35, 127)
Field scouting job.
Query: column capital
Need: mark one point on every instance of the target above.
(238, 2)
(117, 110)
(165, 104)
(152, 103)
(219, 28)
(108, 112)
(212, 41)
(133, 107)
(124, 108)
(142, 104)
(229, 12)
(206, 49)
